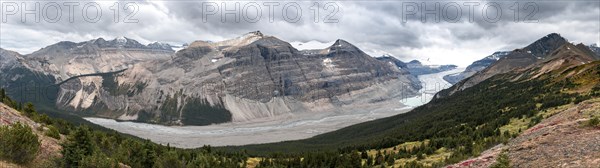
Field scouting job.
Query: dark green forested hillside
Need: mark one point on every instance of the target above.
(465, 123)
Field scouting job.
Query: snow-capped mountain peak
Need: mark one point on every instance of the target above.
(498, 55)
(159, 45)
(121, 40)
(387, 55)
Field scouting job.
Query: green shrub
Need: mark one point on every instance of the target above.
(593, 122)
(29, 110)
(502, 161)
(168, 160)
(79, 144)
(98, 160)
(18, 143)
(44, 119)
(53, 132)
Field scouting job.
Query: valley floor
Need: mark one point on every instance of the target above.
(299, 126)
(293, 128)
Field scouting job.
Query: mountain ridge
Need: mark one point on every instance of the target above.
(518, 59)
(415, 67)
(253, 76)
(475, 67)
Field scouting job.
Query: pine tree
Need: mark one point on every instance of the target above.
(78, 145)
(98, 160)
(369, 161)
(29, 110)
(378, 158)
(364, 155)
(355, 159)
(390, 159)
(169, 159)
(2, 94)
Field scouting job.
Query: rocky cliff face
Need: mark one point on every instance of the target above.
(9, 59)
(24, 83)
(68, 59)
(252, 77)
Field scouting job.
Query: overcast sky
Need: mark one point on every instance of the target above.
(460, 37)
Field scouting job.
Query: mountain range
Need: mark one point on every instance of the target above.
(475, 67)
(481, 64)
(539, 54)
(536, 106)
(415, 67)
(251, 77)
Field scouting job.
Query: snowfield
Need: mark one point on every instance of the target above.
(299, 126)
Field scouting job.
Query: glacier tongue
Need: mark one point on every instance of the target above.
(432, 83)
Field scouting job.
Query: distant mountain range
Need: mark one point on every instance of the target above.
(415, 67)
(247, 78)
(489, 60)
(536, 54)
(476, 67)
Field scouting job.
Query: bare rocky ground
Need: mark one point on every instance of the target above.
(561, 140)
(4, 164)
(486, 159)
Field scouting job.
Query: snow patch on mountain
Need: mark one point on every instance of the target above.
(327, 62)
(311, 45)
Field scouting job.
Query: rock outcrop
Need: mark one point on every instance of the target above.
(68, 59)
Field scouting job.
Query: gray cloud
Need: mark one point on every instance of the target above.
(376, 27)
